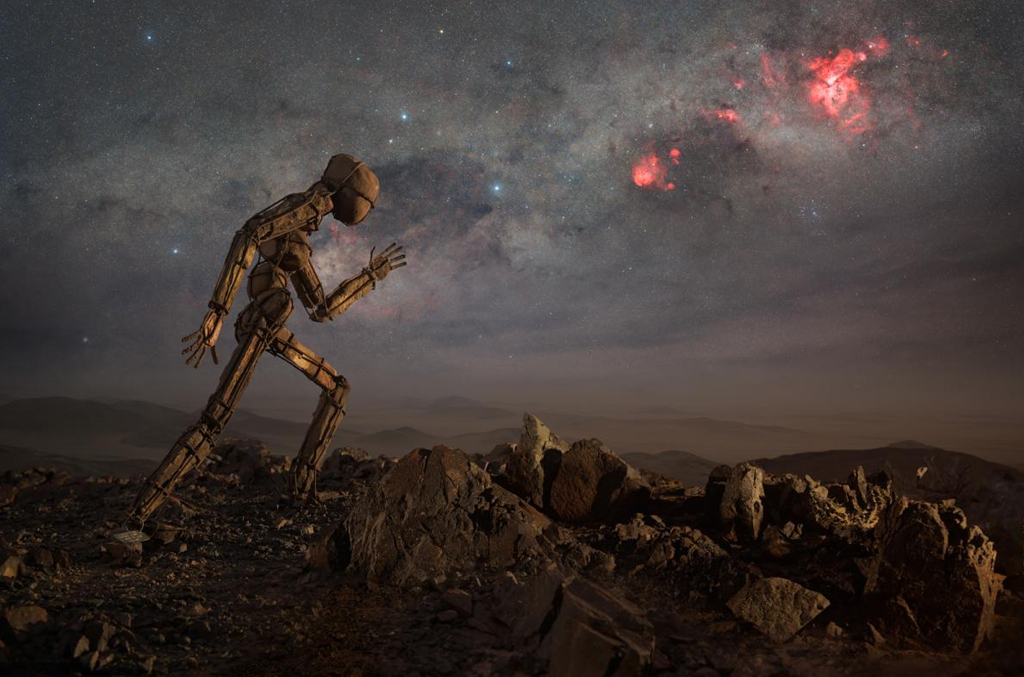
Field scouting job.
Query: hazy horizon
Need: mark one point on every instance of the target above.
(651, 429)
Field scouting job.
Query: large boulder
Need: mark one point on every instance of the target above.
(593, 484)
(742, 506)
(524, 469)
(778, 607)
(434, 514)
(933, 580)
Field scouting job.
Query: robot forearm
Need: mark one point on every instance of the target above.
(345, 294)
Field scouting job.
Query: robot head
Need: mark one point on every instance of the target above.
(355, 188)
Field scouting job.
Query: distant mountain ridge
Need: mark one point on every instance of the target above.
(690, 469)
(903, 457)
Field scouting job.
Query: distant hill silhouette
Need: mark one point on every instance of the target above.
(903, 458)
(688, 468)
(20, 458)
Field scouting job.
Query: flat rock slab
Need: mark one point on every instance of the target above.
(778, 607)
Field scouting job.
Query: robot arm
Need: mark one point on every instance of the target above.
(308, 288)
(288, 214)
(354, 288)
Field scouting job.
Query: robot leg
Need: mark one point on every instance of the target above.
(329, 412)
(254, 330)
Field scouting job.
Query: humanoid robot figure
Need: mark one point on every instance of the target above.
(279, 234)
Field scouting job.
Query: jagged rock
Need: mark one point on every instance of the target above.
(778, 607)
(579, 628)
(690, 560)
(847, 513)
(250, 461)
(742, 507)
(593, 484)
(8, 494)
(525, 472)
(22, 621)
(934, 578)
(436, 513)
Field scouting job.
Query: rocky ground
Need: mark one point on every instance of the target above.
(540, 558)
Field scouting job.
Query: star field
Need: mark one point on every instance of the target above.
(697, 203)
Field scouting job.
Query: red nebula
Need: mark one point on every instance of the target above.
(838, 92)
(674, 154)
(727, 114)
(739, 83)
(913, 41)
(769, 74)
(649, 172)
(877, 46)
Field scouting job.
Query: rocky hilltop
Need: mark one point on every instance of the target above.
(539, 558)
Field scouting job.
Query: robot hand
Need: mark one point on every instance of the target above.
(205, 337)
(385, 262)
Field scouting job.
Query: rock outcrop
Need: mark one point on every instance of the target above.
(933, 580)
(524, 469)
(578, 483)
(437, 513)
(684, 558)
(742, 507)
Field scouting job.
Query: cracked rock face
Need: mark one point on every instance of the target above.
(437, 513)
(778, 607)
(934, 579)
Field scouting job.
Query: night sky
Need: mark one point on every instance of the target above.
(787, 205)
